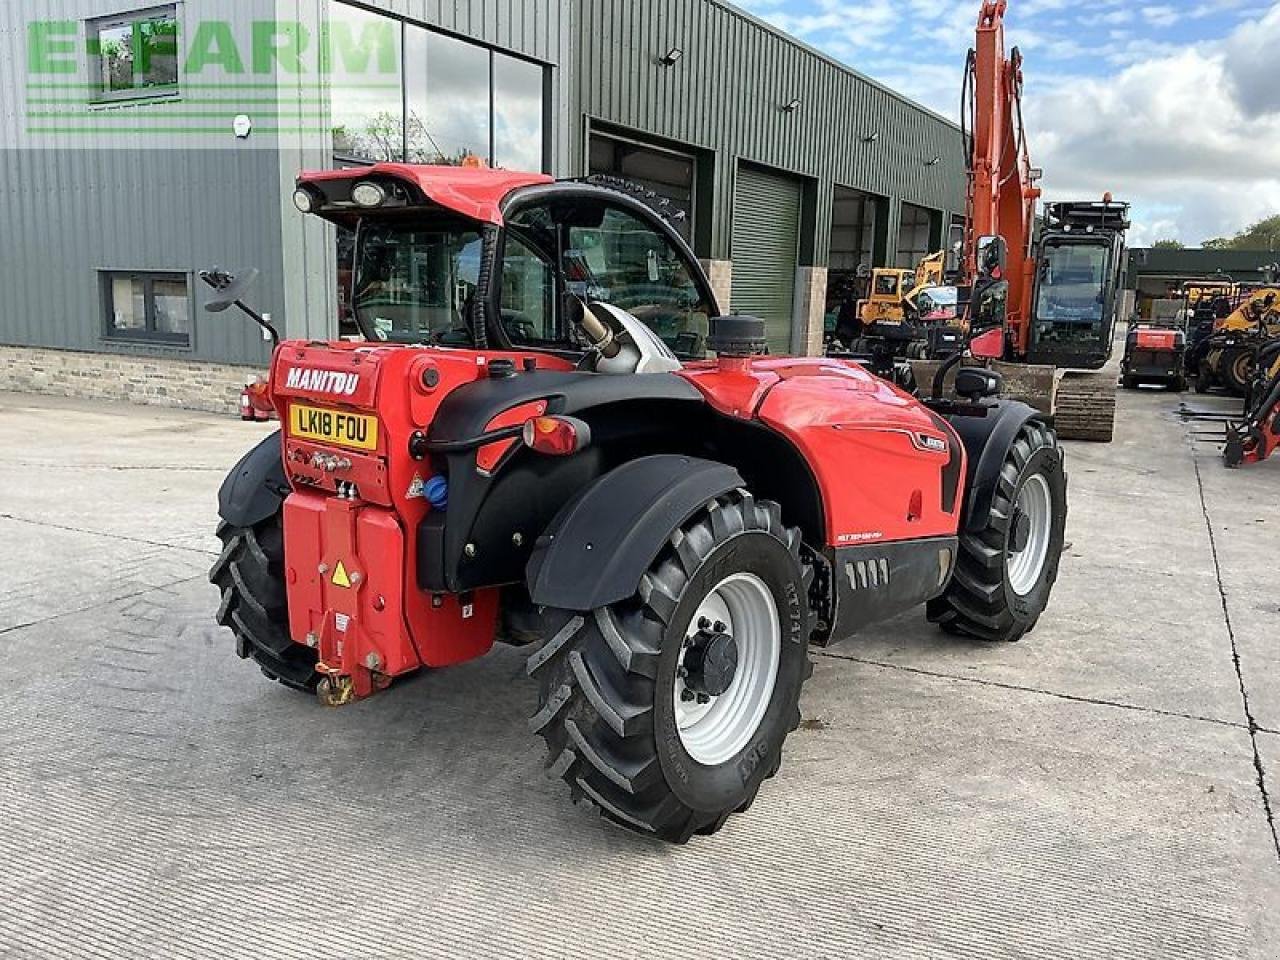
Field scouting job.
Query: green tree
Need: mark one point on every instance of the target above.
(1263, 235)
(1169, 245)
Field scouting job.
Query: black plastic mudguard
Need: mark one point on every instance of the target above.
(253, 490)
(987, 441)
(602, 542)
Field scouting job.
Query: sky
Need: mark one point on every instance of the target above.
(1173, 105)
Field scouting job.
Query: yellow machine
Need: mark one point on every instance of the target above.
(894, 291)
(1230, 351)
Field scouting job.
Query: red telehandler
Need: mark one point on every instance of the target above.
(1064, 276)
(514, 454)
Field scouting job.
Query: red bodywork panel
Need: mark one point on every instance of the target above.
(379, 624)
(475, 192)
(877, 455)
(1151, 339)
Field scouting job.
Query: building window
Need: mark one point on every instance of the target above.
(366, 84)
(667, 173)
(399, 91)
(148, 307)
(134, 54)
(914, 236)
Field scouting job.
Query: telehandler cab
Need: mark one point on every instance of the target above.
(528, 447)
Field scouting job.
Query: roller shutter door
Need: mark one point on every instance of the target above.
(766, 232)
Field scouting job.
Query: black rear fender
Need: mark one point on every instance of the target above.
(599, 546)
(255, 487)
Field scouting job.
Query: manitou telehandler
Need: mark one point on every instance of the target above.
(513, 453)
(1064, 286)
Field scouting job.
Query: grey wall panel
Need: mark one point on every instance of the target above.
(69, 214)
(727, 92)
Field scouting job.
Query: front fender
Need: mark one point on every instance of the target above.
(254, 489)
(600, 544)
(987, 441)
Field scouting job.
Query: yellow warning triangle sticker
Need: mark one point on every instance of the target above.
(340, 578)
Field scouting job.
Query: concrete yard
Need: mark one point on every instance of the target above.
(1098, 790)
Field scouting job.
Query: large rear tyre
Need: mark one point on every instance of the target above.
(250, 574)
(669, 709)
(1005, 573)
(1237, 370)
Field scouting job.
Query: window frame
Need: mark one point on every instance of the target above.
(93, 33)
(149, 334)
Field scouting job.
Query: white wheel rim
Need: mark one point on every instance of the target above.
(1025, 565)
(717, 730)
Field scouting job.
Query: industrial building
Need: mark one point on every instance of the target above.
(1156, 275)
(146, 144)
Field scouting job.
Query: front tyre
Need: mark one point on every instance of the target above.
(669, 709)
(1005, 572)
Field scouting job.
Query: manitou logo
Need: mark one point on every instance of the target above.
(322, 381)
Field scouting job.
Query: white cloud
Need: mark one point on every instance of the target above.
(1192, 137)
(1161, 16)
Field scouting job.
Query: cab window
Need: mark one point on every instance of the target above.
(604, 253)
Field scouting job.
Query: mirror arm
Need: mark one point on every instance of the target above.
(260, 321)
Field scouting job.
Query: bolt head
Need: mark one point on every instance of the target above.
(718, 626)
(373, 661)
(312, 640)
(469, 550)
(356, 577)
(704, 623)
(323, 568)
(517, 539)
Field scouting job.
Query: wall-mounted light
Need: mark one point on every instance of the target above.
(934, 162)
(871, 137)
(792, 105)
(671, 57)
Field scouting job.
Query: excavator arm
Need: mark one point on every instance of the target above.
(1002, 182)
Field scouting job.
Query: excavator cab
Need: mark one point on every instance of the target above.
(1079, 274)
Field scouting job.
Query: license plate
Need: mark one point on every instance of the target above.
(357, 430)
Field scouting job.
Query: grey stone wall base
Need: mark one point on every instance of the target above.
(159, 381)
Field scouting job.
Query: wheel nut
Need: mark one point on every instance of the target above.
(704, 623)
(682, 672)
(373, 661)
(718, 626)
(704, 698)
(686, 695)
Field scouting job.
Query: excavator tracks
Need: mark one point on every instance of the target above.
(1085, 405)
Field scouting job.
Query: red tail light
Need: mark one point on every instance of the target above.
(556, 436)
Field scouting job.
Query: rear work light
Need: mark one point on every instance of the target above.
(556, 436)
(366, 193)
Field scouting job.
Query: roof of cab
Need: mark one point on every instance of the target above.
(475, 192)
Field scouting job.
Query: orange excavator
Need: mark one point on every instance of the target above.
(1063, 279)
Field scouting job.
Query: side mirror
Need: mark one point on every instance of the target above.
(228, 291)
(229, 288)
(976, 383)
(992, 255)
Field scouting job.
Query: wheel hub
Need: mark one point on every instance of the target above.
(710, 659)
(727, 668)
